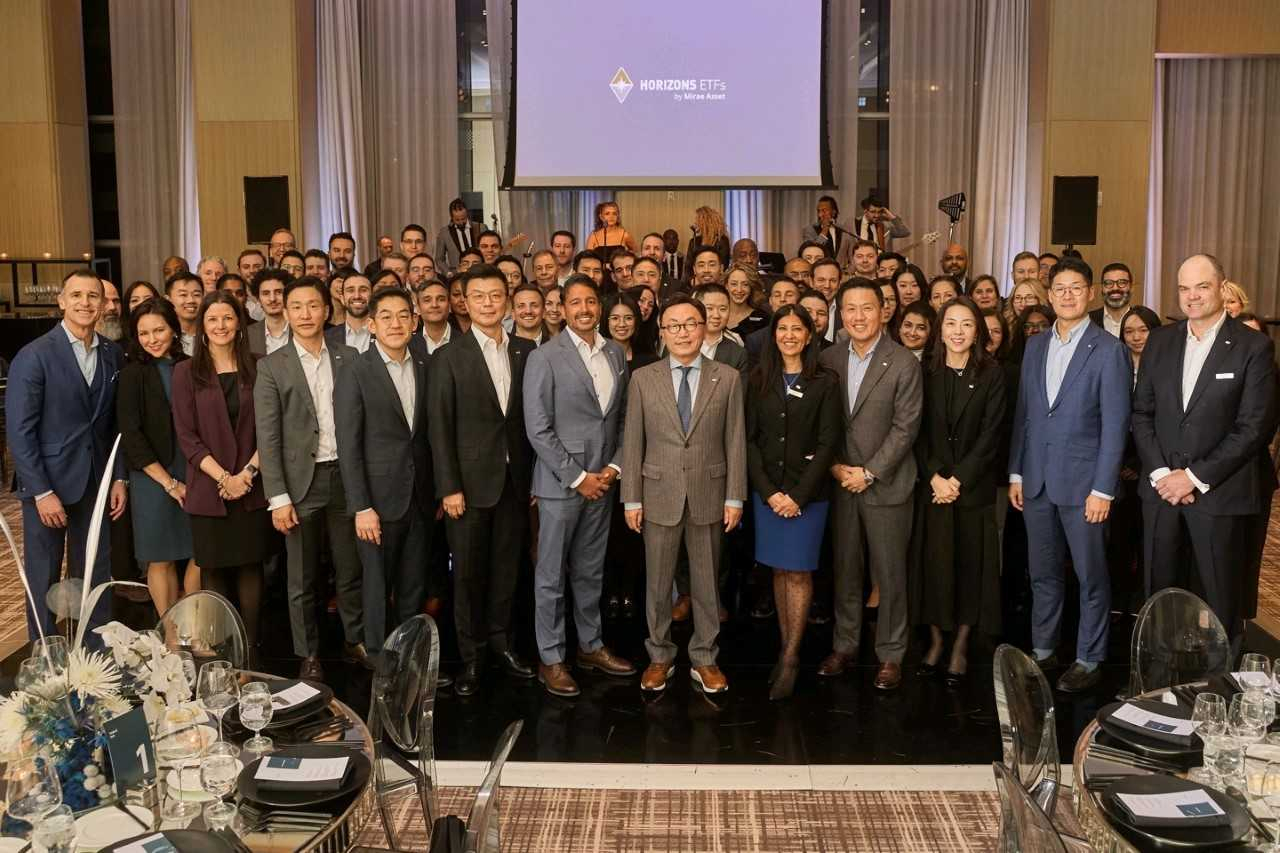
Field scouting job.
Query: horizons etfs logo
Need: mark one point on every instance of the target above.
(621, 84)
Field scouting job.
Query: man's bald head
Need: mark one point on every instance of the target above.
(1202, 266)
(1200, 295)
(955, 261)
(745, 251)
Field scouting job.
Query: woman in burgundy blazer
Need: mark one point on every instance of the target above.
(214, 421)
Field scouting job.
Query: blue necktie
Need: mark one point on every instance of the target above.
(684, 401)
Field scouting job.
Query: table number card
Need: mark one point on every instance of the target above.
(133, 755)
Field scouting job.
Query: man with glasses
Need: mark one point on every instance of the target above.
(1070, 426)
(1117, 295)
(684, 478)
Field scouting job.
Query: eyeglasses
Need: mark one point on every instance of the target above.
(687, 326)
(1064, 289)
(1116, 282)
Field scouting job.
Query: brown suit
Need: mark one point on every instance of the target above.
(682, 482)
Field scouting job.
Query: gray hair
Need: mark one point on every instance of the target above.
(210, 258)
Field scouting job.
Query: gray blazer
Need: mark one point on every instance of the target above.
(881, 425)
(258, 337)
(662, 468)
(285, 416)
(562, 415)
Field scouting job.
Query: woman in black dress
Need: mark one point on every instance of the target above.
(956, 582)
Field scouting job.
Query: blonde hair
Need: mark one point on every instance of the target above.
(710, 225)
(600, 208)
(1238, 292)
(1042, 297)
(755, 298)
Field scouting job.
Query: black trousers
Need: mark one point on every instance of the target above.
(487, 545)
(395, 572)
(1218, 543)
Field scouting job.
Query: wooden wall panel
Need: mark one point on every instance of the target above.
(227, 152)
(657, 210)
(71, 153)
(1101, 64)
(22, 62)
(28, 222)
(244, 60)
(65, 45)
(1234, 27)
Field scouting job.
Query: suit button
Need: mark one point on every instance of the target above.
(784, 414)
(783, 438)
(686, 444)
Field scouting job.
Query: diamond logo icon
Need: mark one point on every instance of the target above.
(621, 84)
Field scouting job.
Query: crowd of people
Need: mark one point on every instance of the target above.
(654, 431)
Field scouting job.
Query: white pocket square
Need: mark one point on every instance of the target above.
(1225, 376)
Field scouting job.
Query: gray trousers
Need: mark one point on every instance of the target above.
(323, 510)
(885, 531)
(661, 546)
(573, 534)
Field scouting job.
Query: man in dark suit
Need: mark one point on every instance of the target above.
(298, 451)
(482, 465)
(272, 332)
(782, 291)
(1203, 411)
(1069, 431)
(456, 237)
(1117, 298)
(61, 421)
(575, 391)
(882, 394)
(355, 332)
(715, 344)
(382, 424)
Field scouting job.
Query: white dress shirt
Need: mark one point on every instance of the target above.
(402, 377)
(432, 346)
(318, 371)
(1109, 324)
(357, 339)
(86, 357)
(597, 364)
(497, 362)
(709, 348)
(188, 344)
(1193, 360)
(274, 342)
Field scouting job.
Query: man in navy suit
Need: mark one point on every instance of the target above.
(61, 407)
(1069, 433)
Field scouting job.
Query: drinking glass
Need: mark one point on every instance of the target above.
(1248, 717)
(1253, 662)
(56, 831)
(32, 789)
(53, 648)
(178, 741)
(218, 689)
(255, 713)
(1228, 758)
(41, 678)
(218, 772)
(1209, 716)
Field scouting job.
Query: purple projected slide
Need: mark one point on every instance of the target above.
(668, 93)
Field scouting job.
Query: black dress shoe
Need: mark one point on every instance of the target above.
(956, 679)
(514, 666)
(468, 679)
(628, 608)
(443, 679)
(1077, 679)
(1047, 664)
(927, 670)
(611, 609)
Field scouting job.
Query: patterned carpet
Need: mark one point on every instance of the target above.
(570, 820)
(13, 623)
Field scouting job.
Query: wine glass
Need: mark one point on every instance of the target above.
(218, 689)
(255, 713)
(1251, 663)
(1209, 716)
(178, 741)
(54, 648)
(32, 789)
(39, 677)
(218, 772)
(55, 831)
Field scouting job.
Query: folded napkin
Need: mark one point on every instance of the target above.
(1197, 810)
(293, 773)
(1155, 729)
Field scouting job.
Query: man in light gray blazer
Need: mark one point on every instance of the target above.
(883, 391)
(684, 475)
(575, 388)
(298, 450)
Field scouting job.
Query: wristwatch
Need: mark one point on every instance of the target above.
(868, 477)
(252, 469)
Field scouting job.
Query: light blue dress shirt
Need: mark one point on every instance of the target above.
(858, 368)
(1060, 353)
(87, 358)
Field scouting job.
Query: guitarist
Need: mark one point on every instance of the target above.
(879, 224)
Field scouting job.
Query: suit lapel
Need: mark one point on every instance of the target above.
(382, 379)
(1084, 349)
(1217, 353)
(472, 346)
(876, 370)
(966, 388)
(419, 394)
(568, 349)
(668, 393)
(707, 384)
(617, 363)
(298, 375)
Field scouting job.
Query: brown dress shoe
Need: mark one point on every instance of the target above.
(655, 676)
(709, 679)
(605, 661)
(889, 676)
(432, 607)
(724, 615)
(680, 610)
(356, 653)
(835, 664)
(311, 670)
(557, 680)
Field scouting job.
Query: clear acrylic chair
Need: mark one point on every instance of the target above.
(95, 594)
(483, 825)
(1028, 730)
(1177, 639)
(401, 716)
(206, 625)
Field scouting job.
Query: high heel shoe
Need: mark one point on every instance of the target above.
(785, 683)
(927, 670)
(776, 671)
(956, 679)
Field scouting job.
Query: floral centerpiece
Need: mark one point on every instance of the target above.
(60, 718)
(156, 675)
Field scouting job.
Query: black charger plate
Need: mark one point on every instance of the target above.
(186, 840)
(1162, 838)
(294, 715)
(1150, 746)
(357, 776)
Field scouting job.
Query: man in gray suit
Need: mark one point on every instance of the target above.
(575, 388)
(882, 391)
(272, 332)
(684, 474)
(298, 447)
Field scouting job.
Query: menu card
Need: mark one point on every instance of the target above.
(293, 696)
(294, 773)
(1180, 808)
(1161, 726)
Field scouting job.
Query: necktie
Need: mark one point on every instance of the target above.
(464, 237)
(684, 402)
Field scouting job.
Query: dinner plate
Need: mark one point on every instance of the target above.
(99, 827)
(357, 776)
(1150, 746)
(185, 840)
(12, 844)
(1161, 838)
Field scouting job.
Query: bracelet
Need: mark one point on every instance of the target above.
(173, 484)
(225, 475)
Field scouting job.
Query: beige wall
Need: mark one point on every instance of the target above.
(246, 104)
(657, 210)
(1224, 28)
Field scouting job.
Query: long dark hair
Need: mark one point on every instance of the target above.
(161, 308)
(1006, 335)
(626, 300)
(128, 294)
(978, 355)
(1019, 334)
(646, 336)
(202, 369)
(768, 370)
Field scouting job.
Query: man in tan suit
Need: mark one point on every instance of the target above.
(684, 475)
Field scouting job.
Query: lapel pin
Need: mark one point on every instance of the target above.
(970, 387)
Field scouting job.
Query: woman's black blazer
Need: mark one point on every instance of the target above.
(792, 440)
(144, 417)
(969, 450)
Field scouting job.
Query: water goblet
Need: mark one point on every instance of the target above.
(55, 831)
(1228, 758)
(32, 788)
(219, 770)
(256, 710)
(1250, 664)
(1249, 715)
(218, 689)
(178, 741)
(53, 648)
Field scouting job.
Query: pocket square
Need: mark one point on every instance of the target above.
(1225, 376)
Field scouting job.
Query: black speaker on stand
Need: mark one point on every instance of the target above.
(1075, 210)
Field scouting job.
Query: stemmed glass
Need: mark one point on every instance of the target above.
(32, 789)
(255, 713)
(1209, 722)
(1270, 795)
(41, 678)
(53, 648)
(218, 772)
(1251, 663)
(1249, 715)
(178, 741)
(218, 689)
(56, 831)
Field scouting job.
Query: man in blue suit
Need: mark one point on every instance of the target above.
(1069, 432)
(575, 390)
(61, 407)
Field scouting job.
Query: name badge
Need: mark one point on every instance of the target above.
(791, 392)
(1225, 376)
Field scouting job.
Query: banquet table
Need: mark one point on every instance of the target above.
(1096, 826)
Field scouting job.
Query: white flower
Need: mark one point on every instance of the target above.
(91, 674)
(149, 645)
(153, 707)
(116, 635)
(13, 723)
(114, 706)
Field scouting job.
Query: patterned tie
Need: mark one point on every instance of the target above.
(684, 402)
